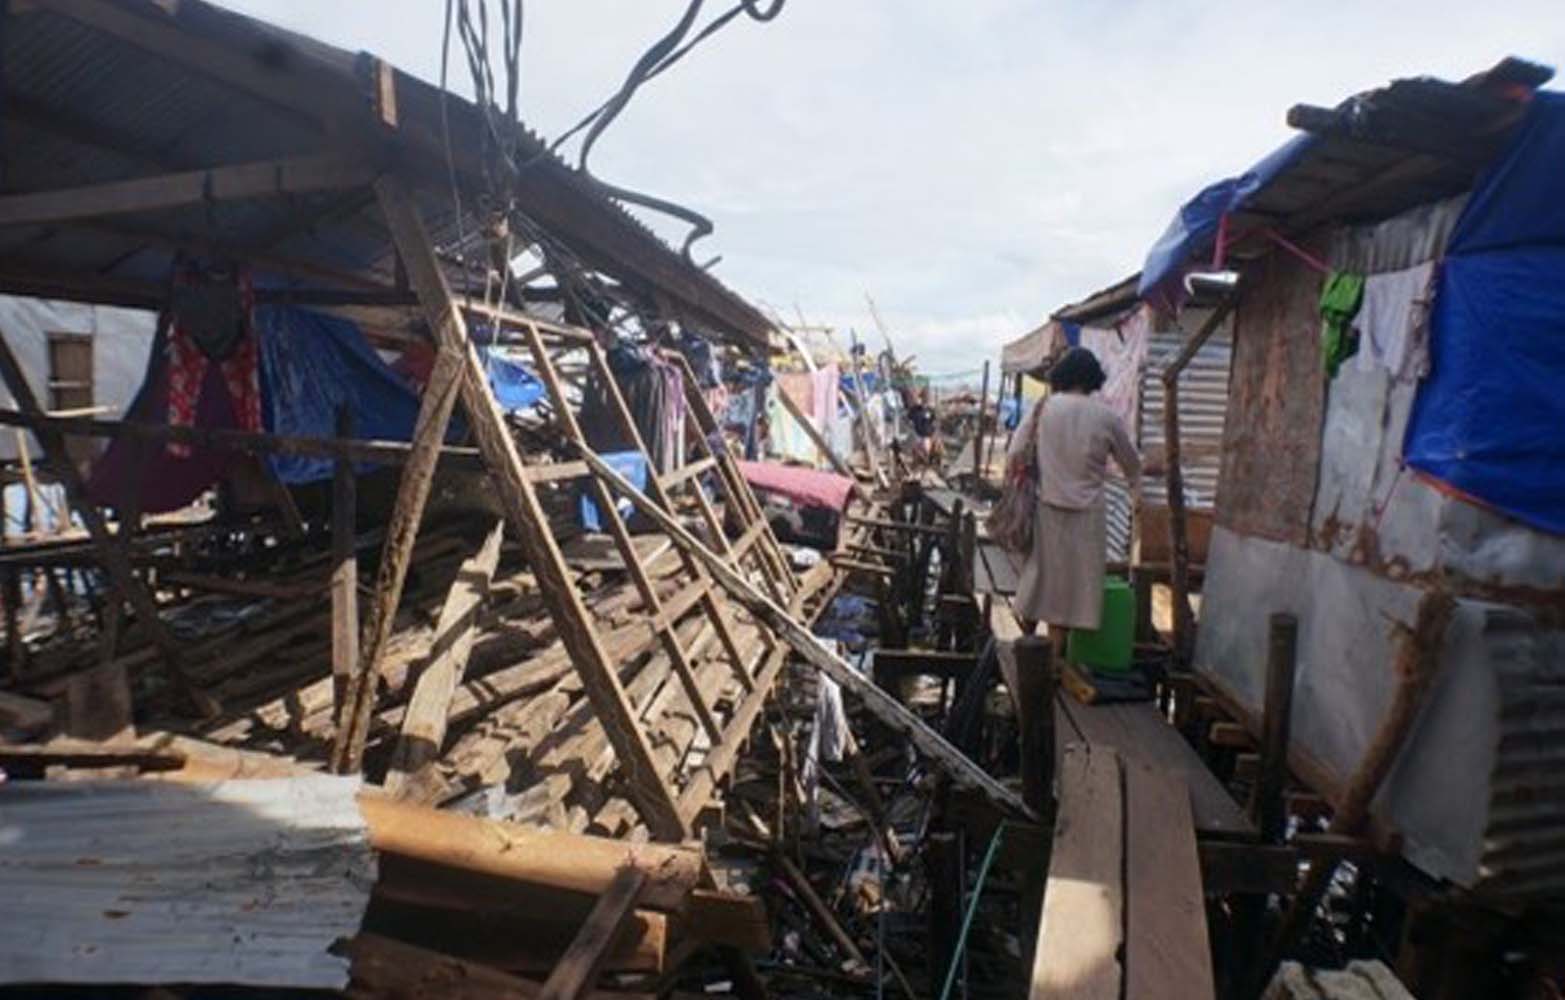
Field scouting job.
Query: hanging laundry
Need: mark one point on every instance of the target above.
(1393, 323)
(1122, 351)
(211, 322)
(1340, 300)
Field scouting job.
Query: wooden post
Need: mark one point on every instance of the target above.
(1178, 525)
(1036, 684)
(344, 572)
(978, 437)
(944, 858)
(124, 583)
(1417, 661)
(861, 406)
(1268, 810)
(526, 517)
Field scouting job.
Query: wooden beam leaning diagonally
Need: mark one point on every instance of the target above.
(295, 175)
(526, 517)
(116, 560)
(424, 723)
(736, 490)
(957, 766)
(578, 968)
(429, 431)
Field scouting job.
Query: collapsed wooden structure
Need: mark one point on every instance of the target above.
(500, 662)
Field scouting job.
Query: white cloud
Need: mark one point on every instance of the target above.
(973, 165)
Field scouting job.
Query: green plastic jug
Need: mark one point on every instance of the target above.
(1112, 646)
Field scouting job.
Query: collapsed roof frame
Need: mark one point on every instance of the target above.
(180, 72)
(372, 155)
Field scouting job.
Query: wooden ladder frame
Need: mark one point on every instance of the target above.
(668, 811)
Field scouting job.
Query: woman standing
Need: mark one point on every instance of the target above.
(1062, 578)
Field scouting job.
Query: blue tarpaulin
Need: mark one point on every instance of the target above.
(1193, 233)
(312, 363)
(1490, 419)
(630, 464)
(515, 388)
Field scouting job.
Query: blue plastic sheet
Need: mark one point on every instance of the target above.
(1488, 420)
(515, 388)
(312, 363)
(630, 464)
(1193, 233)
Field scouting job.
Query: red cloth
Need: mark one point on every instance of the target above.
(804, 486)
(187, 370)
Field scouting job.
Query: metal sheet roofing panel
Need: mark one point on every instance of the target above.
(243, 882)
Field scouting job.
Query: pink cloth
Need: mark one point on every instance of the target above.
(805, 486)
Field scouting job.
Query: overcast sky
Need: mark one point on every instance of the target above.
(972, 164)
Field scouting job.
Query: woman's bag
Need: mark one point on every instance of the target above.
(1010, 523)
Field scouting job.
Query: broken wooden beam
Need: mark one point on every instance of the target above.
(424, 724)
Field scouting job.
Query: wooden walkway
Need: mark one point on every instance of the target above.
(1123, 910)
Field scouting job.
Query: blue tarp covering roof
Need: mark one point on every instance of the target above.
(1490, 419)
(1193, 233)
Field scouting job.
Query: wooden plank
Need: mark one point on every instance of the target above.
(344, 573)
(526, 516)
(424, 726)
(579, 967)
(295, 175)
(1140, 734)
(384, 968)
(258, 443)
(686, 473)
(1168, 953)
(429, 431)
(1080, 931)
(1248, 869)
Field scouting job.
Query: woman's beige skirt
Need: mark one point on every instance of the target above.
(1062, 578)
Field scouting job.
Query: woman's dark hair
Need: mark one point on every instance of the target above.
(1077, 371)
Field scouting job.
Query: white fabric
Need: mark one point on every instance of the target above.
(1393, 322)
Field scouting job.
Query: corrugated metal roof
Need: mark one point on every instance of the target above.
(243, 882)
(86, 105)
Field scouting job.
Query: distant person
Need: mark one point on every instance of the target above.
(922, 416)
(1061, 581)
